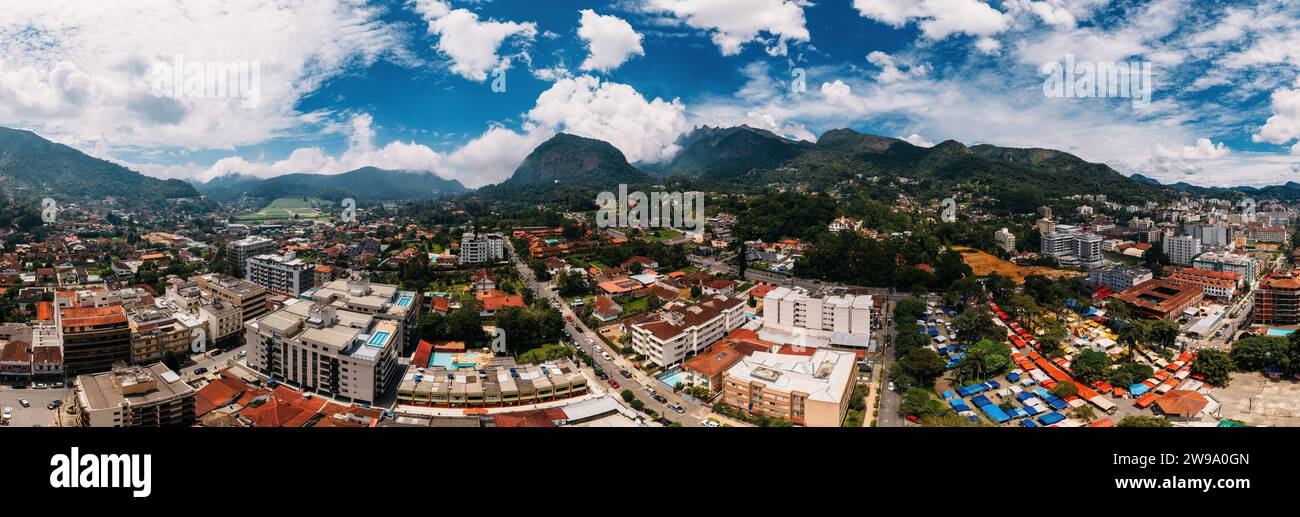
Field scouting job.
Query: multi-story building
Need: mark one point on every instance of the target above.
(249, 297)
(480, 248)
(676, 334)
(1216, 284)
(383, 301)
(792, 316)
(93, 337)
(1228, 262)
(812, 391)
(135, 396)
(238, 252)
(1005, 240)
(281, 273)
(1119, 278)
(1261, 233)
(154, 333)
(327, 349)
(1182, 249)
(1277, 300)
(502, 383)
(1161, 298)
(1071, 245)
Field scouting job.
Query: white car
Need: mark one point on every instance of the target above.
(891, 386)
(8, 413)
(710, 423)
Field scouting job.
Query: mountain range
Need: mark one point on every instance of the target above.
(367, 183)
(32, 167)
(715, 157)
(746, 157)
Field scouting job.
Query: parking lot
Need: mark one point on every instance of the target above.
(37, 414)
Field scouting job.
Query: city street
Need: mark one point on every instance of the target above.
(693, 417)
(887, 415)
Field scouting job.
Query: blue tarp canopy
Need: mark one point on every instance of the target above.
(1028, 423)
(1013, 377)
(958, 405)
(995, 413)
(1024, 395)
(948, 394)
(994, 384)
(1030, 411)
(1051, 418)
(1139, 389)
(980, 400)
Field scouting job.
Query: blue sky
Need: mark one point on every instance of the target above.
(408, 84)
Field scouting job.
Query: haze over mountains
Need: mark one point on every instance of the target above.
(33, 167)
(369, 183)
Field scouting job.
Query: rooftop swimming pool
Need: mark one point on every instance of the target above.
(404, 301)
(449, 360)
(1280, 332)
(378, 339)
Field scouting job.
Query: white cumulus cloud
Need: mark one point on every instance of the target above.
(733, 23)
(937, 19)
(610, 40)
(471, 43)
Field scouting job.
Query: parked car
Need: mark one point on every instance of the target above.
(678, 408)
(913, 419)
(626, 374)
(662, 399)
(891, 386)
(614, 384)
(200, 370)
(710, 423)
(24, 403)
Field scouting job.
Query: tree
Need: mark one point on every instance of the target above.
(1163, 332)
(920, 367)
(909, 309)
(1065, 389)
(628, 396)
(1129, 374)
(910, 337)
(1144, 421)
(1118, 310)
(1090, 366)
(1215, 365)
(984, 359)
(1258, 353)
(918, 402)
(976, 323)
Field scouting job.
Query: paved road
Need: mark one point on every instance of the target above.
(887, 415)
(694, 416)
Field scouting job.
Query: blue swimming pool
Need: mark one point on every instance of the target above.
(673, 377)
(448, 361)
(1280, 332)
(378, 339)
(404, 301)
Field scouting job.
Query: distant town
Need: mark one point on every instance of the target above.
(1161, 314)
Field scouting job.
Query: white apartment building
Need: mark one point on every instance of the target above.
(679, 333)
(793, 316)
(322, 348)
(1006, 240)
(480, 248)
(1182, 249)
(1070, 245)
(1228, 262)
(238, 252)
(1119, 278)
(281, 273)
